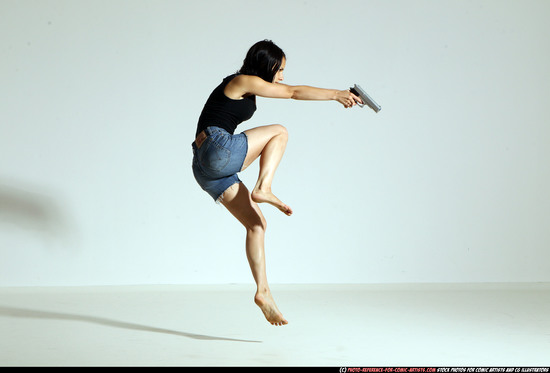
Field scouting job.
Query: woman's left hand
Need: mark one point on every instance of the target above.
(347, 99)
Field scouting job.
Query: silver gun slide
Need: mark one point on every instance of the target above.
(367, 100)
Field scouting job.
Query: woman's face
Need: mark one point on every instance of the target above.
(279, 74)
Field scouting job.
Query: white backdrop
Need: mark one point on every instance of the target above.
(448, 183)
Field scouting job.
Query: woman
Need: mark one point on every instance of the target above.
(219, 154)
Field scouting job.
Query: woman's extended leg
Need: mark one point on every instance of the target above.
(268, 143)
(238, 201)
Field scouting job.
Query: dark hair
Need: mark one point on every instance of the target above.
(263, 59)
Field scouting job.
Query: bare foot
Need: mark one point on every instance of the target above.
(269, 308)
(260, 196)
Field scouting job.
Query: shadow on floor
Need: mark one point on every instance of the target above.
(35, 314)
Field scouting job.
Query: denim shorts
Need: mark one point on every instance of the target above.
(217, 161)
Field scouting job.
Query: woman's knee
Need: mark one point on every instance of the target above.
(281, 130)
(259, 225)
(256, 230)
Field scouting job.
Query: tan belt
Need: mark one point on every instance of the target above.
(200, 139)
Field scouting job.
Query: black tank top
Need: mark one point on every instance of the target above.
(223, 112)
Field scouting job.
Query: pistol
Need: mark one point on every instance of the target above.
(367, 100)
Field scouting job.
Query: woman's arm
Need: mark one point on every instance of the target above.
(248, 84)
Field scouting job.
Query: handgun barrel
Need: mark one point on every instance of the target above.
(357, 90)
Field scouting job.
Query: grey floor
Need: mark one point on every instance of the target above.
(329, 325)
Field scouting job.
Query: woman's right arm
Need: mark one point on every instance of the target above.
(249, 84)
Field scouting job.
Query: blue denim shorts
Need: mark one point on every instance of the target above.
(217, 161)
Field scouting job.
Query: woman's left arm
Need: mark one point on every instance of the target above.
(254, 85)
(345, 97)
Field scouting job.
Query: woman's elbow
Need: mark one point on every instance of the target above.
(293, 93)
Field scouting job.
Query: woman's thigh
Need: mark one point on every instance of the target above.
(257, 140)
(237, 200)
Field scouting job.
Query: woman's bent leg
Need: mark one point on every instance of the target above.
(268, 143)
(238, 201)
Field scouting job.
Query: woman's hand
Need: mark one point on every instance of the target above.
(347, 98)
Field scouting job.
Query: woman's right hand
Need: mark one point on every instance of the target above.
(347, 98)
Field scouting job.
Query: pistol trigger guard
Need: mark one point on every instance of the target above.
(352, 90)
